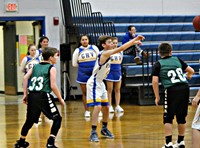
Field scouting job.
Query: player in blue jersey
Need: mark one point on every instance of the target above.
(169, 70)
(114, 78)
(42, 43)
(84, 58)
(96, 91)
(30, 60)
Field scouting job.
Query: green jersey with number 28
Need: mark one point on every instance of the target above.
(171, 72)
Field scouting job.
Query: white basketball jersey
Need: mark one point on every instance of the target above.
(100, 72)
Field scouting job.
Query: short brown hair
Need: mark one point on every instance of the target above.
(48, 52)
(165, 49)
(102, 39)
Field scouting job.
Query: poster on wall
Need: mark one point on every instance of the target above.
(24, 41)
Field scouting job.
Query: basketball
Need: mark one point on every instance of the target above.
(196, 23)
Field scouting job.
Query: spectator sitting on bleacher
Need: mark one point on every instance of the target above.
(135, 49)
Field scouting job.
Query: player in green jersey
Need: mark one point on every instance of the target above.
(170, 70)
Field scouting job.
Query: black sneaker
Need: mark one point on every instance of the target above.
(137, 60)
(105, 132)
(20, 144)
(51, 146)
(94, 137)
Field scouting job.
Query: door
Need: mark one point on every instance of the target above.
(10, 60)
(37, 31)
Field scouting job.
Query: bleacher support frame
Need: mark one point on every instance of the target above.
(79, 20)
(144, 86)
(87, 22)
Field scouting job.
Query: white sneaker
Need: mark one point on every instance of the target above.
(119, 114)
(111, 110)
(100, 114)
(40, 119)
(119, 109)
(111, 116)
(181, 144)
(169, 145)
(87, 113)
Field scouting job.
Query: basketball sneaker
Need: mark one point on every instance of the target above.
(51, 146)
(106, 133)
(169, 145)
(119, 109)
(111, 110)
(94, 137)
(87, 113)
(50, 143)
(179, 145)
(20, 144)
(100, 114)
(137, 60)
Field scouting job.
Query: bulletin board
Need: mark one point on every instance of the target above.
(24, 41)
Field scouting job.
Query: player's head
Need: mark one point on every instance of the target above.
(165, 49)
(84, 40)
(43, 42)
(31, 50)
(132, 30)
(50, 54)
(105, 42)
(115, 42)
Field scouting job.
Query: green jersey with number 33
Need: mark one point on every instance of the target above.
(40, 78)
(171, 72)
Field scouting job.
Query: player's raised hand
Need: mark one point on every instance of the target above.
(139, 38)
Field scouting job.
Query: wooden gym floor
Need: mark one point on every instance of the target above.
(139, 126)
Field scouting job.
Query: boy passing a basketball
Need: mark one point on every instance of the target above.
(38, 99)
(96, 91)
(169, 70)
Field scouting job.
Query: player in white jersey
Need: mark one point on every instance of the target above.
(196, 122)
(84, 58)
(96, 91)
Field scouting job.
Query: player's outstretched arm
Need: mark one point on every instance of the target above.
(108, 53)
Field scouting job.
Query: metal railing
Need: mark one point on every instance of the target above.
(88, 22)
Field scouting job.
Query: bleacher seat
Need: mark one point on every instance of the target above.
(177, 30)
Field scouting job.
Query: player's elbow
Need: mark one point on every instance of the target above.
(190, 70)
(154, 81)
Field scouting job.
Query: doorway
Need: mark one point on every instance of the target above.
(10, 62)
(11, 29)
